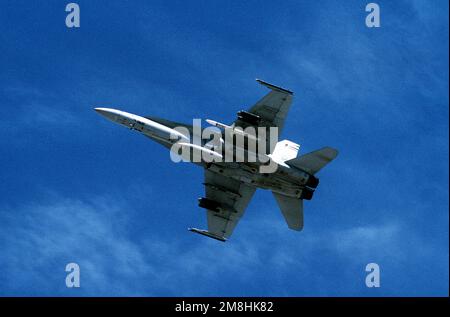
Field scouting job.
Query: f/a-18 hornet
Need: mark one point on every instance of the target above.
(231, 182)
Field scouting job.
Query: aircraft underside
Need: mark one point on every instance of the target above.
(230, 184)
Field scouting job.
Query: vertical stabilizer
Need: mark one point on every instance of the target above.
(284, 151)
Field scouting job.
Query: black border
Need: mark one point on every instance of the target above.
(309, 306)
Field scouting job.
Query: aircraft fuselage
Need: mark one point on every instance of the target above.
(286, 180)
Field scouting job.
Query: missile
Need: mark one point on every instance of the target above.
(202, 149)
(141, 124)
(208, 234)
(218, 124)
(235, 130)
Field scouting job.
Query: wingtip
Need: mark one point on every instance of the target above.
(207, 234)
(274, 87)
(334, 152)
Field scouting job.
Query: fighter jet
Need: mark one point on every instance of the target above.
(229, 186)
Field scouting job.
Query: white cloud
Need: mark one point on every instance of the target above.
(40, 239)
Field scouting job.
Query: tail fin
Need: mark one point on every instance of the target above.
(292, 209)
(285, 150)
(314, 161)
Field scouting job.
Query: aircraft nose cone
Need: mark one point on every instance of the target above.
(105, 112)
(101, 111)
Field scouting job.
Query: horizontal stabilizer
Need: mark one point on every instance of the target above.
(208, 234)
(314, 161)
(292, 209)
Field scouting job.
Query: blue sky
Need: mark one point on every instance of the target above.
(77, 188)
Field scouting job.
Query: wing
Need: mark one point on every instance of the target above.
(270, 111)
(226, 200)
